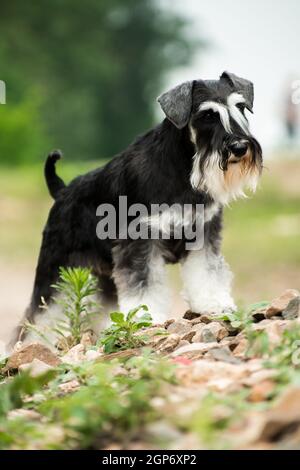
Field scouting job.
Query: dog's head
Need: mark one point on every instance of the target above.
(227, 158)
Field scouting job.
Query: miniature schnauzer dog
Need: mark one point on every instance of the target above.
(202, 153)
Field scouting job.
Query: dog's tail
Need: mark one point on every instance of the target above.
(55, 183)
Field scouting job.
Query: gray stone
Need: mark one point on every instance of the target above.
(168, 322)
(180, 327)
(292, 310)
(28, 353)
(194, 350)
(214, 331)
(223, 354)
(169, 343)
(35, 368)
(285, 304)
(189, 336)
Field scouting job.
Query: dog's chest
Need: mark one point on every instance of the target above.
(211, 211)
(174, 228)
(181, 216)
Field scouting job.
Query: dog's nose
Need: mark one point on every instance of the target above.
(238, 149)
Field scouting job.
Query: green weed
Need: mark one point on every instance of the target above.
(121, 334)
(75, 288)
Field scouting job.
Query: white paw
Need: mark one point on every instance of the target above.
(229, 309)
(213, 308)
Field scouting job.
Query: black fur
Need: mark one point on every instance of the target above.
(154, 169)
(55, 183)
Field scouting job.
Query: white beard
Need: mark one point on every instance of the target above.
(224, 187)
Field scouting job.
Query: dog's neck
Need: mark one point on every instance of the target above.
(177, 144)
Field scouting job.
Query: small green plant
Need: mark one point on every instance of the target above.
(217, 413)
(238, 320)
(76, 286)
(281, 354)
(121, 334)
(258, 306)
(259, 343)
(13, 392)
(285, 353)
(242, 318)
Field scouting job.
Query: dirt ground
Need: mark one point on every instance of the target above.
(15, 287)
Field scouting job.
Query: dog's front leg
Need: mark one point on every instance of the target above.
(207, 282)
(140, 277)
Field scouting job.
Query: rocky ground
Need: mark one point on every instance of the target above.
(198, 382)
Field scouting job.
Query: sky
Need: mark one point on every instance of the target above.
(255, 39)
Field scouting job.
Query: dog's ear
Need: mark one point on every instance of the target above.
(245, 87)
(177, 104)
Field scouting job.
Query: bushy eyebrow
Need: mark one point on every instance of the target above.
(218, 108)
(225, 112)
(236, 114)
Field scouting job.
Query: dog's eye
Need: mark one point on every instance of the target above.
(208, 115)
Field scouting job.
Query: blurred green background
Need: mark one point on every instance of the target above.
(83, 76)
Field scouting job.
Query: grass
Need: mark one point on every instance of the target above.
(113, 404)
(261, 236)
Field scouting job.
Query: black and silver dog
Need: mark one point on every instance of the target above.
(202, 153)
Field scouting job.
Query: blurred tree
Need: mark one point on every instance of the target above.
(96, 66)
(22, 135)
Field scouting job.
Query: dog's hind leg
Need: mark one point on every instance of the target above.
(140, 277)
(47, 273)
